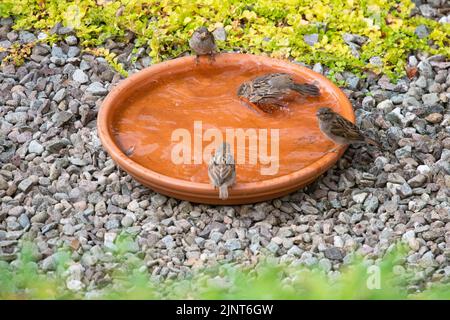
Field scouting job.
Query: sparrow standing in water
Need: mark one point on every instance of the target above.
(269, 91)
(203, 43)
(341, 130)
(221, 170)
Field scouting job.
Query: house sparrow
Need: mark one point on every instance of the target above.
(203, 43)
(341, 130)
(221, 170)
(270, 90)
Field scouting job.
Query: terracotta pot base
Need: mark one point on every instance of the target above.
(137, 117)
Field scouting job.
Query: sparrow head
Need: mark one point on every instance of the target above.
(325, 114)
(202, 33)
(222, 152)
(224, 148)
(243, 90)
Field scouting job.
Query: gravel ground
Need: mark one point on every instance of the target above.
(58, 186)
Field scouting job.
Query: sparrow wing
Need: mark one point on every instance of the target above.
(269, 86)
(212, 42)
(342, 127)
(213, 39)
(220, 173)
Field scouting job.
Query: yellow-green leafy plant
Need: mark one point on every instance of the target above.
(18, 53)
(110, 57)
(275, 28)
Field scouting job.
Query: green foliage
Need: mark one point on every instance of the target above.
(17, 53)
(23, 280)
(110, 58)
(255, 26)
(130, 279)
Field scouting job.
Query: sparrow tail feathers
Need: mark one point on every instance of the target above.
(223, 192)
(306, 89)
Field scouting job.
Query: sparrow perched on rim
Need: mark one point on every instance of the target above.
(341, 130)
(203, 43)
(222, 170)
(269, 91)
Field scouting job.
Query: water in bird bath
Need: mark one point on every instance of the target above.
(151, 122)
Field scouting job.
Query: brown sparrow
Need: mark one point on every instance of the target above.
(269, 91)
(341, 130)
(203, 43)
(221, 170)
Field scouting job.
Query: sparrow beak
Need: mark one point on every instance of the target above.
(320, 113)
(203, 36)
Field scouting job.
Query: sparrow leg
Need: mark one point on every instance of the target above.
(197, 59)
(212, 57)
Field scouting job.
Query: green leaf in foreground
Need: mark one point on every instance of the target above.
(130, 279)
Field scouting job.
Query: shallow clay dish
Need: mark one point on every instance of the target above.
(138, 117)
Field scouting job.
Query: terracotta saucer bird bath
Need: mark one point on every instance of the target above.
(146, 118)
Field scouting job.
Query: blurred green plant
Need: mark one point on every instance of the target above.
(276, 28)
(23, 280)
(130, 279)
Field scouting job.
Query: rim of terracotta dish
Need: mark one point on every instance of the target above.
(239, 190)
